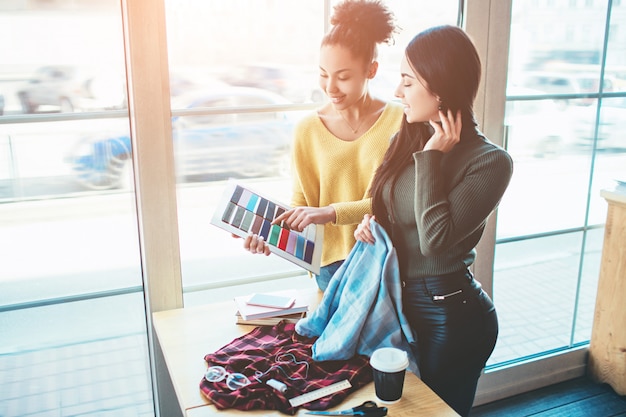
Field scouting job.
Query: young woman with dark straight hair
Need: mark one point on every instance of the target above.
(439, 181)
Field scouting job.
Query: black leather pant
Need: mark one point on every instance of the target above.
(456, 328)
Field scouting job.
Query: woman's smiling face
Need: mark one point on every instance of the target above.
(420, 105)
(342, 76)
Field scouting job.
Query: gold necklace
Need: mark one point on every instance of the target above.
(354, 130)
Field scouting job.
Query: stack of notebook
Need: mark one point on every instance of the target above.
(267, 309)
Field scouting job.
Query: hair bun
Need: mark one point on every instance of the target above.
(371, 18)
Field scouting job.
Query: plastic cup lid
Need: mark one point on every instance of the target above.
(389, 359)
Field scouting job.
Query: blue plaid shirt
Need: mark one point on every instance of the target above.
(361, 309)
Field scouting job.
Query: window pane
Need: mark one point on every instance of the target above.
(535, 294)
(72, 316)
(562, 135)
(550, 172)
(75, 358)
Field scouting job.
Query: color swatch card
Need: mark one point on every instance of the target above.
(243, 211)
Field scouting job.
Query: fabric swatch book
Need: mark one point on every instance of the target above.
(242, 211)
(253, 312)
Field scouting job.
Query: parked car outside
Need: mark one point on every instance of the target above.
(69, 88)
(567, 83)
(184, 81)
(611, 133)
(219, 145)
(293, 83)
(537, 128)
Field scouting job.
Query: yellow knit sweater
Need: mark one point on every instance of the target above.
(330, 171)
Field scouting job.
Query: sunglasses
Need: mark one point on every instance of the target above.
(234, 381)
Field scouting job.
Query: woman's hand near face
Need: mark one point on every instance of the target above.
(300, 217)
(363, 232)
(447, 132)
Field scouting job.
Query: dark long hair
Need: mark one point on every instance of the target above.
(447, 60)
(359, 25)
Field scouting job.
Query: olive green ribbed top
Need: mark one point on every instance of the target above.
(441, 205)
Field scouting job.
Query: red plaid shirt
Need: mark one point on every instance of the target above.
(260, 350)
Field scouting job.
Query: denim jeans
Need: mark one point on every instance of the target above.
(456, 328)
(326, 273)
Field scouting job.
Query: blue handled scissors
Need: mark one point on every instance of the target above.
(368, 408)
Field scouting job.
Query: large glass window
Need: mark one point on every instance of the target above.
(73, 334)
(565, 101)
(72, 313)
